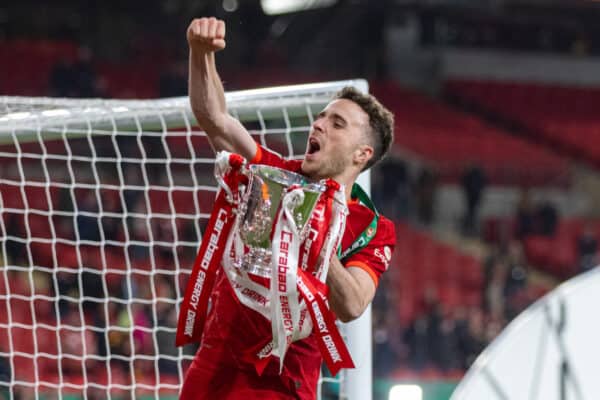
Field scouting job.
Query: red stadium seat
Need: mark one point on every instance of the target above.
(424, 262)
(565, 117)
(452, 140)
(31, 74)
(12, 196)
(557, 254)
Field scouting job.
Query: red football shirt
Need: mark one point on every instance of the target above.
(234, 333)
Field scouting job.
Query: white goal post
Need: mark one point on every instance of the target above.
(102, 206)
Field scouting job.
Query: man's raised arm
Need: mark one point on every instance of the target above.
(205, 37)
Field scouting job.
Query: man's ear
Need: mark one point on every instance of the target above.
(363, 154)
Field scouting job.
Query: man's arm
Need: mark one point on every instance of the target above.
(350, 290)
(205, 37)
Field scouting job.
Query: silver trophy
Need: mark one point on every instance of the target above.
(260, 203)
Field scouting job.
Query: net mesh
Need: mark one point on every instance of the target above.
(102, 206)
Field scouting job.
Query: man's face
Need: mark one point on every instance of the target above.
(336, 134)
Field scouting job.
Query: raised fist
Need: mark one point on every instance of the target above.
(206, 35)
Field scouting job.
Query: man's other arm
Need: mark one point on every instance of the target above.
(350, 290)
(205, 37)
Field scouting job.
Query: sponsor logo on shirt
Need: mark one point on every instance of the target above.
(370, 232)
(384, 255)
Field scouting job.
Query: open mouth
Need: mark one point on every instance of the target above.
(313, 146)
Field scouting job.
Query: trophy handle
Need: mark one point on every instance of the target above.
(292, 199)
(224, 163)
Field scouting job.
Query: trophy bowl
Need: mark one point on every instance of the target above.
(261, 202)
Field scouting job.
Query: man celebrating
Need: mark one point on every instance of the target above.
(352, 133)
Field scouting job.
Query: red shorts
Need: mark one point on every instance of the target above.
(206, 380)
(222, 369)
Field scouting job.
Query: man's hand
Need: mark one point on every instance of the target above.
(206, 35)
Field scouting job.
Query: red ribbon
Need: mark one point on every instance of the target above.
(192, 314)
(319, 226)
(330, 341)
(331, 344)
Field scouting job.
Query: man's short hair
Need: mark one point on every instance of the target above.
(381, 121)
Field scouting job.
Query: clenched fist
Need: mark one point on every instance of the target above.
(206, 35)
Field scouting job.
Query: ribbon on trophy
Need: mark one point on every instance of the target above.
(284, 294)
(331, 344)
(192, 314)
(274, 235)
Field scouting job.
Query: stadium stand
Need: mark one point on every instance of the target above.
(558, 253)
(452, 140)
(30, 73)
(565, 117)
(426, 263)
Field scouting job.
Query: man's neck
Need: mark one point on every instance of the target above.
(347, 180)
(348, 190)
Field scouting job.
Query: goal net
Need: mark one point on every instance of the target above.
(102, 208)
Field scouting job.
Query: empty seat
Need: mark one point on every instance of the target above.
(565, 117)
(424, 263)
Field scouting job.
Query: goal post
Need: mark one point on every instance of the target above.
(102, 207)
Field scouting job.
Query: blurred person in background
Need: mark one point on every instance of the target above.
(525, 216)
(587, 248)
(425, 193)
(473, 182)
(75, 78)
(393, 189)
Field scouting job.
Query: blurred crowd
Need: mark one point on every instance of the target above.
(120, 272)
(443, 341)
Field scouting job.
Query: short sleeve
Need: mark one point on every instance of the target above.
(375, 258)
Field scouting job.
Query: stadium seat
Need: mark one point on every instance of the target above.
(423, 262)
(31, 74)
(557, 254)
(452, 141)
(129, 80)
(563, 117)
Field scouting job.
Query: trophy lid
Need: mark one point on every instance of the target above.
(284, 177)
(287, 178)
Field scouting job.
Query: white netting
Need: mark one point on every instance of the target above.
(102, 205)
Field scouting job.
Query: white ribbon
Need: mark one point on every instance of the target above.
(221, 167)
(285, 312)
(248, 292)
